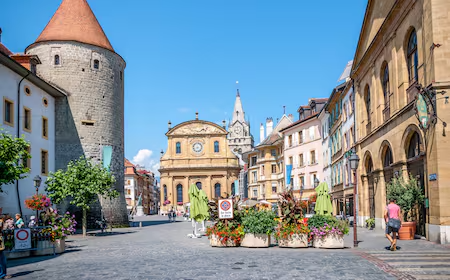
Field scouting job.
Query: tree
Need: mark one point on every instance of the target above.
(81, 183)
(13, 156)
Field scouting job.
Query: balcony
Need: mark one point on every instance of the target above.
(386, 113)
(368, 128)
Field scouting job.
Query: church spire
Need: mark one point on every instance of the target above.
(238, 113)
(75, 21)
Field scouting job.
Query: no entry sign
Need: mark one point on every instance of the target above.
(225, 209)
(22, 239)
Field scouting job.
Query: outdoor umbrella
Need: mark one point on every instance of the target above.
(323, 202)
(194, 200)
(249, 203)
(203, 212)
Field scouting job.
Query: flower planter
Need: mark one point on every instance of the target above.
(251, 240)
(331, 241)
(214, 241)
(44, 247)
(294, 241)
(16, 255)
(60, 246)
(407, 231)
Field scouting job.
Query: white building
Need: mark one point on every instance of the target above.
(326, 155)
(28, 110)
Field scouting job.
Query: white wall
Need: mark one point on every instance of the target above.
(326, 153)
(9, 81)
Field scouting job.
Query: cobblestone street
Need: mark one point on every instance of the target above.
(162, 250)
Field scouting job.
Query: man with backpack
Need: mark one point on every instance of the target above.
(393, 222)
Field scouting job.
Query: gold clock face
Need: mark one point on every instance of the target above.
(197, 147)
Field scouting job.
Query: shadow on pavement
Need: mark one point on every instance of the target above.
(151, 223)
(102, 234)
(23, 273)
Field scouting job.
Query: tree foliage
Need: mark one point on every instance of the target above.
(82, 182)
(13, 155)
(407, 193)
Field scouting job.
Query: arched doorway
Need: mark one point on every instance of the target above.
(415, 165)
(370, 184)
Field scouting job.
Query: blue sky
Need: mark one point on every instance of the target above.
(183, 56)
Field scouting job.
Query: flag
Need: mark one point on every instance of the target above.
(107, 155)
(236, 187)
(288, 174)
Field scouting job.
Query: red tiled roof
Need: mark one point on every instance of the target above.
(75, 21)
(5, 50)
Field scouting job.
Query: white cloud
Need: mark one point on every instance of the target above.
(144, 158)
(184, 110)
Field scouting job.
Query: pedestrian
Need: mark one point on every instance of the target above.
(8, 223)
(19, 222)
(170, 214)
(393, 222)
(32, 222)
(3, 274)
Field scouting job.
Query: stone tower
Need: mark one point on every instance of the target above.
(77, 57)
(240, 139)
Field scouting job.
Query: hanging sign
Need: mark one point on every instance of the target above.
(22, 239)
(422, 111)
(226, 209)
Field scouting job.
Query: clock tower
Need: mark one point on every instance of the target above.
(239, 137)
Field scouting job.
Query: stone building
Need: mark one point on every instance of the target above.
(240, 139)
(77, 57)
(139, 184)
(266, 162)
(401, 58)
(197, 153)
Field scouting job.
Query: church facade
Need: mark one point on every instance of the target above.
(197, 153)
(239, 137)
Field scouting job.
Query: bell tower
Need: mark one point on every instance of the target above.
(239, 137)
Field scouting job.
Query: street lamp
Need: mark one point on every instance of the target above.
(37, 183)
(354, 161)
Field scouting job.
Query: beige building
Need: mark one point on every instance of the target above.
(403, 54)
(197, 153)
(266, 162)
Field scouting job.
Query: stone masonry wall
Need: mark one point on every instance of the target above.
(93, 113)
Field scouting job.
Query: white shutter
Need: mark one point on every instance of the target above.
(311, 133)
(307, 159)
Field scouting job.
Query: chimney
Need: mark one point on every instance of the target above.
(291, 117)
(261, 133)
(269, 126)
(169, 124)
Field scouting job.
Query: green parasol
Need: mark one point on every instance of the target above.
(323, 202)
(203, 206)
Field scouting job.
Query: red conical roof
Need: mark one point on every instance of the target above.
(75, 21)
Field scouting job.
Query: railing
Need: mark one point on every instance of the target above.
(41, 242)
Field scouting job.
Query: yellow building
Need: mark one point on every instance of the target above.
(402, 56)
(265, 162)
(197, 153)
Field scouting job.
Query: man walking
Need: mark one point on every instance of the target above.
(393, 222)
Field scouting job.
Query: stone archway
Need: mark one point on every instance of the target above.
(387, 160)
(368, 168)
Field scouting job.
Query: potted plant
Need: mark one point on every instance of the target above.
(370, 223)
(224, 233)
(258, 226)
(408, 195)
(327, 231)
(63, 226)
(292, 230)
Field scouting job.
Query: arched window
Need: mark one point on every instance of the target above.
(367, 101)
(178, 147)
(179, 193)
(217, 191)
(414, 146)
(57, 62)
(385, 84)
(199, 185)
(96, 64)
(165, 192)
(387, 161)
(412, 57)
(369, 166)
(216, 146)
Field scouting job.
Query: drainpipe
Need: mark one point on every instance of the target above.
(18, 132)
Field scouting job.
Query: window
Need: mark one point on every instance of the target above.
(57, 60)
(387, 158)
(27, 91)
(273, 152)
(27, 119)
(412, 57)
(290, 141)
(313, 178)
(300, 137)
(217, 190)
(367, 101)
(216, 146)
(27, 161)
(254, 177)
(96, 64)
(255, 192)
(253, 162)
(165, 192)
(8, 109)
(128, 182)
(45, 127)
(44, 162)
(291, 160)
(262, 170)
(45, 102)
(302, 182)
(302, 162)
(274, 168)
(33, 68)
(199, 185)
(312, 133)
(274, 187)
(128, 192)
(179, 193)
(313, 157)
(178, 147)
(385, 84)
(233, 191)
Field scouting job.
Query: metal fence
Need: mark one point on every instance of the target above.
(42, 242)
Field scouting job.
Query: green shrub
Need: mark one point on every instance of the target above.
(259, 222)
